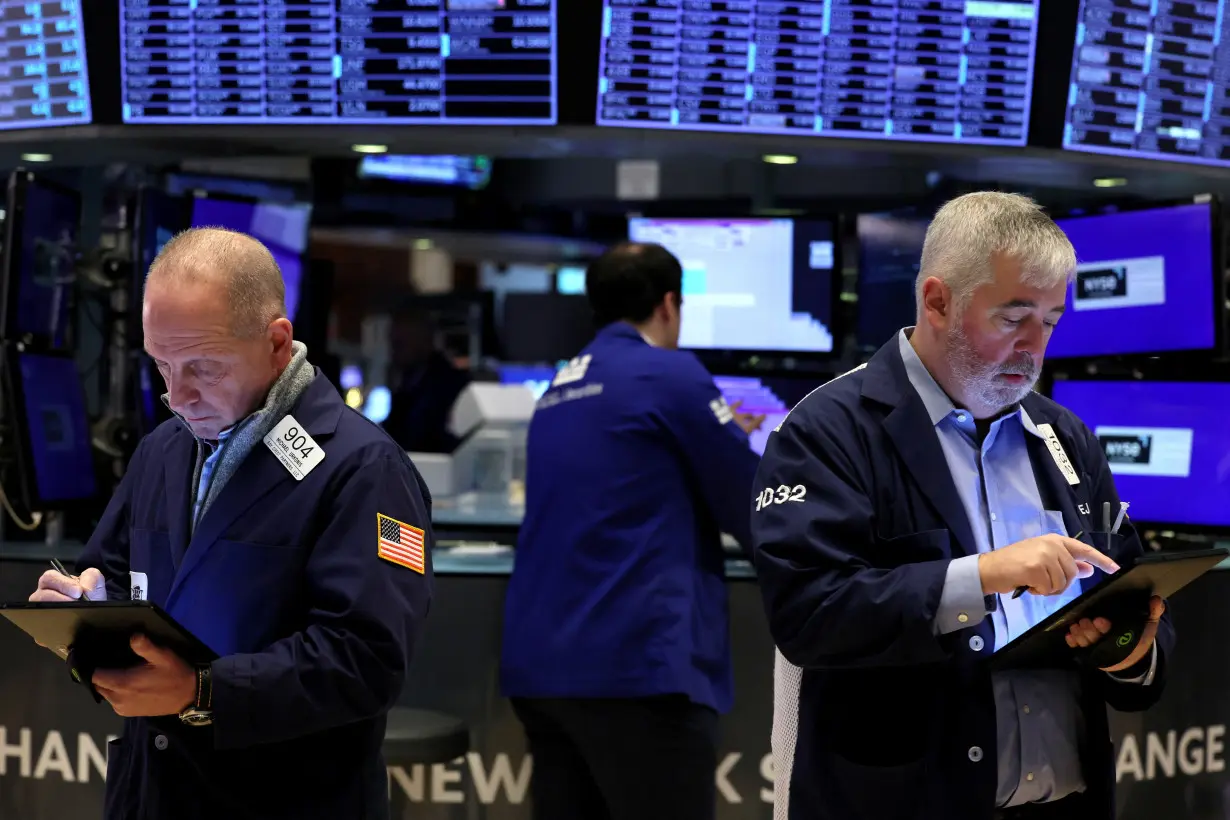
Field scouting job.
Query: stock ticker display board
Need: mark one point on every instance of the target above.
(43, 77)
(451, 62)
(910, 70)
(1149, 79)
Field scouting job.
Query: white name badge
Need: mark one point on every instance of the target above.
(1057, 453)
(298, 452)
(138, 586)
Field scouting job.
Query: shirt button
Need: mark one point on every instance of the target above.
(962, 617)
(1026, 710)
(975, 643)
(975, 753)
(961, 417)
(1030, 776)
(994, 517)
(160, 742)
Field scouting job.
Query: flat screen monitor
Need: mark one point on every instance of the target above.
(889, 253)
(40, 258)
(54, 430)
(451, 62)
(1146, 282)
(473, 173)
(751, 284)
(1149, 80)
(43, 76)
(283, 229)
(916, 72)
(774, 396)
(1168, 445)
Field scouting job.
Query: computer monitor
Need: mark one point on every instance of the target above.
(1168, 445)
(752, 284)
(1147, 282)
(40, 259)
(1147, 81)
(283, 229)
(45, 404)
(889, 252)
(774, 396)
(909, 72)
(44, 78)
(464, 62)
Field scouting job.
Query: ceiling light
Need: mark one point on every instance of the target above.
(780, 159)
(370, 149)
(422, 244)
(1109, 182)
(36, 157)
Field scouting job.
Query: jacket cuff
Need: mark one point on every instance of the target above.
(962, 604)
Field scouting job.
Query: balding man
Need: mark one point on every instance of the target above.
(284, 530)
(898, 509)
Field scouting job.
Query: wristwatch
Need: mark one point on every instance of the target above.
(200, 711)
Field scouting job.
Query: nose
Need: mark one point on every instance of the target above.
(181, 393)
(1031, 339)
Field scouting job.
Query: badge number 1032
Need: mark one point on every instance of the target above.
(780, 495)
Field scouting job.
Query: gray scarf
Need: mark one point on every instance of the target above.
(245, 435)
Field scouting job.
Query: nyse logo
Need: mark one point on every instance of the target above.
(1127, 449)
(1101, 283)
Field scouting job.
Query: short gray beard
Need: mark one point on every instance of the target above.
(976, 378)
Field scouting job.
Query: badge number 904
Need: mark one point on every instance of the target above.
(780, 495)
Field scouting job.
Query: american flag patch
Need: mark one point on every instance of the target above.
(400, 543)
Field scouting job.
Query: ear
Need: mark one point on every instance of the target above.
(281, 335)
(937, 302)
(669, 306)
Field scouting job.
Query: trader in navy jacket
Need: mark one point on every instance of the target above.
(897, 508)
(285, 531)
(616, 634)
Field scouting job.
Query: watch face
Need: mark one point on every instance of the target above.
(195, 718)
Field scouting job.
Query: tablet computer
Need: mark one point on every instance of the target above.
(1156, 573)
(104, 628)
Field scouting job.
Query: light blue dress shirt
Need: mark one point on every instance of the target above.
(1038, 716)
(207, 470)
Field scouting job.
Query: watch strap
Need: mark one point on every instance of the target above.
(204, 687)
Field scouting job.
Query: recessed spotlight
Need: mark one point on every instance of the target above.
(36, 157)
(1109, 182)
(780, 159)
(370, 149)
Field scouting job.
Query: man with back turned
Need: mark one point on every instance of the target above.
(616, 634)
(285, 531)
(925, 488)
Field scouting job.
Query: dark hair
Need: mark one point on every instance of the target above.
(630, 280)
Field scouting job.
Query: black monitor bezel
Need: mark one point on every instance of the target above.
(18, 422)
(16, 194)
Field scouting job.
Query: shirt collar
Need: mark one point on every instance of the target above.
(939, 406)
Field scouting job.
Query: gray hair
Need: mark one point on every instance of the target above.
(969, 231)
(255, 290)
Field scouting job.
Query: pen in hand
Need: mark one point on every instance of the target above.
(1022, 590)
(58, 567)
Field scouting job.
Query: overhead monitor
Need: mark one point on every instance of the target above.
(912, 71)
(43, 75)
(40, 259)
(772, 396)
(889, 252)
(283, 229)
(750, 283)
(1149, 80)
(49, 425)
(1168, 445)
(472, 172)
(448, 62)
(1146, 282)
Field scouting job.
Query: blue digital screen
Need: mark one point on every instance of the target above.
(473, 173)
(457, 62)
(283, 229)
(43, 75)
(889, 253)
(1149, 79)
(49, 226)
(750, 284)
(58, 429)
(1168, 445)
(771, 396)
(1144, 284)
(536, 377)
(949, 71)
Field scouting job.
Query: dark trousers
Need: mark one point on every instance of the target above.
(621, 759)
(1070, 808)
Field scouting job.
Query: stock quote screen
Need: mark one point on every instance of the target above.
(911, 70)
(394, 62)
(1149, 79)
(43, 77)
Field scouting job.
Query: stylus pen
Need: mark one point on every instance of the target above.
(58, 567)
(1022, 590)
(1123, 505)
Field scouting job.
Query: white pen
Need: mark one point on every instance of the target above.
(1123, 505)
